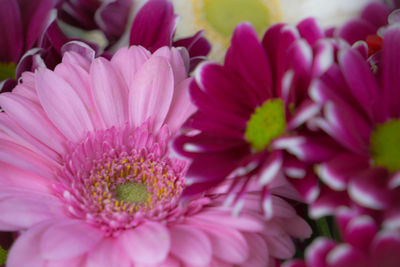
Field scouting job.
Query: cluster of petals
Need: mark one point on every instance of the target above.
(363, 245)
(151, 25)
(280, 67)
(102, 122)
(357, 100)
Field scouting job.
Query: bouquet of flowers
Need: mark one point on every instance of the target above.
(163, 133)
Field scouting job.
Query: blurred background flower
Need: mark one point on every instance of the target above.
(219, 17)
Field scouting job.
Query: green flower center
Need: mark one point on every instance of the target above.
(7, 70)
(385, 145)
(265, 124)
(132, 192)
(224, 15)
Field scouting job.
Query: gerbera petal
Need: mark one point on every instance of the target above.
(190, 245)
(181, 107)
(23, 253)
(258, 254)
(62, 105)
(174, 57)
(25, 159)
(151, 92)
(129, 60)
(108, 253)
(78, 79)
(109, 92)
(67, 238)
(148, 243)
(17, 178)
(22, 209)
(29, 115)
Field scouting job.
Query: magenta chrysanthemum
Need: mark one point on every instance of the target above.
(250, 106)
(360, 111)
(87, 174)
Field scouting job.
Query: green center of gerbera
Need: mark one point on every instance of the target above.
(266, 123)
(7, 70)
(224, 15)
(385, 145)
(132, 192)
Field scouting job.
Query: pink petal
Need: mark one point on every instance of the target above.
(23, 253)
(29, 115)
(181, 107)
(108, 253)
(18, 178)
(148, 243)
(79, 80)
(280, 246)
(66, 239)
(129, 61)
(62, 105)
(26, 159)
(109, 92)
(191, 245)
(20, 136)
(151, 92)
(229, 245)
(259, 254)
(22, 209)
(76, 59)
(173, 57)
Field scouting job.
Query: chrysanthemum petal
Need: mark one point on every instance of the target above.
(67, 238)
(151, 92)
(317, 251)
(148, 243)
(310, 30)
(361, 82)
(338, 171)
(369, 191)
(391, 65)
(11, 30)
(190, 245)
(110, 93)
(248, 60)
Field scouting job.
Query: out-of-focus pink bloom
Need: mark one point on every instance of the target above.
(96, 184)
(249, 109)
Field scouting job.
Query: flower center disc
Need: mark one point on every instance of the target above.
(265, 124)
(132, 192)
(224, 15)
(385, 145)
(7, 70)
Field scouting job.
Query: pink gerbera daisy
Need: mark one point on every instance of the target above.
(361, 112)
(86, 173)
(249, 106)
